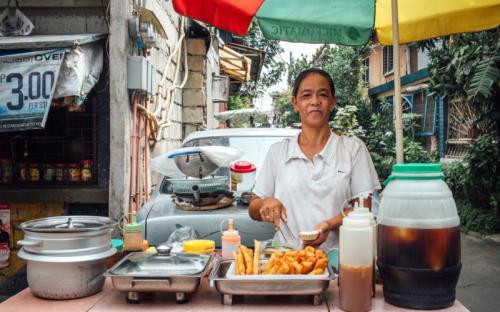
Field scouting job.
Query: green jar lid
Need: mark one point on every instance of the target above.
(417, 168)
(415, 171)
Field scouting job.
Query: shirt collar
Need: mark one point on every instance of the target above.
(327, 154)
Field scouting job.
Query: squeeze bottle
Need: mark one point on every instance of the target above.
(230, 240)
(355, 263)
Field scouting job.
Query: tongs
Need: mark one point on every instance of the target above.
(294, 242)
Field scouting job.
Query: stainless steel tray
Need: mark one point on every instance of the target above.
(274, 285)
(182, 285)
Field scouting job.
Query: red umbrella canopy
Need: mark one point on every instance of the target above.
(346, 22)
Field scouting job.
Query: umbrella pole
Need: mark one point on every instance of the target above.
(398, 109)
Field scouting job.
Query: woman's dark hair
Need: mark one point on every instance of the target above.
(303, 74)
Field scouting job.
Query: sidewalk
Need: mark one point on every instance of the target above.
(478, 286)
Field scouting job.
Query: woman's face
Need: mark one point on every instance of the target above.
(314, 101)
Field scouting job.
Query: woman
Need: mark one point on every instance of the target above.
(306, 179)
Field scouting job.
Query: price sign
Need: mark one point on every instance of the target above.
(27, 83)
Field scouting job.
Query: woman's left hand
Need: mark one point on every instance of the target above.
(324, 229)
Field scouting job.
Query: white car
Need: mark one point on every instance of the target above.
(159, 216)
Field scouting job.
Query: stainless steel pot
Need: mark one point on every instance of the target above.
(66, 256)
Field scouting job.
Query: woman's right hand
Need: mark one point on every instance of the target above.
(271, 211)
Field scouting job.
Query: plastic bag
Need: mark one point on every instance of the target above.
(181, 234)
(14, 23)
(222, 156)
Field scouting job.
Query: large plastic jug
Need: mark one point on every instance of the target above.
(418, 238)
(355, 263)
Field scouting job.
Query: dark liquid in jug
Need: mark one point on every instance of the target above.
(419, 267)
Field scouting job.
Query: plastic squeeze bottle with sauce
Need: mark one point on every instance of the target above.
(230, 240)
(355, 263)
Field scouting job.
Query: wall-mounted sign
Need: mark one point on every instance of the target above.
(27, 83)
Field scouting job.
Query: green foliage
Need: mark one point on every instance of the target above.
(287, 116)
(273, 66)
(346, 122)
(483, 179)
(473, 219)
(467, 66)
(343, 63)
(414, 152)
(455, 175)
(485, 76)
(239, 102)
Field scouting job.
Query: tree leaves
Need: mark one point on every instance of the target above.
(485, 76)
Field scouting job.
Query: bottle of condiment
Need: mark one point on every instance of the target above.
(74, 172)
(6, 170)
(86, 174)
(49, 172)
(355, 263)
(34, 172)
(230, 240)
(132, 236)
(60, 174)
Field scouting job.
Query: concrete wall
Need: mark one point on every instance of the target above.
(376, 76)
(111, 16)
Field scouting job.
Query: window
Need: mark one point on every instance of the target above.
(387, 64)
(366, 74)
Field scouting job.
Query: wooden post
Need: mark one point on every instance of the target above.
(398, 109)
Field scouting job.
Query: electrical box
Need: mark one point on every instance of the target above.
(141, 75)
(220, 88)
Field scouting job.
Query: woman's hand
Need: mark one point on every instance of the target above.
(271, 210)
(324, 229)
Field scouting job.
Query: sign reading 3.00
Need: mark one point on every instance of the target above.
(27, 83)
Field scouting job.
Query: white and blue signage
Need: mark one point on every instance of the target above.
(27, 83)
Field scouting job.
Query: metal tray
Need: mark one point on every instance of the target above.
(274, 285)
(182, 285)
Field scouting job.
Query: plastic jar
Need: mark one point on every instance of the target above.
(418, 238)
(34, 172)
(242, 176)
(6, 170)
(49, 172)
(60, 174)
(86, 174)
(74, 172)
(22, 172)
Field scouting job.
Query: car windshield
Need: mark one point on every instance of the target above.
(254, 150)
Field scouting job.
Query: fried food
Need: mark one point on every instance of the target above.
(247, 256)
(306, 261)
(256, 257)
(240, 264)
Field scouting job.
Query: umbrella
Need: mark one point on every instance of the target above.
(241, 117)
(349, 22)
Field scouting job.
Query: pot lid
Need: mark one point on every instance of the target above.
(144, 264)
(68, 224)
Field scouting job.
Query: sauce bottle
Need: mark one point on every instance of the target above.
(355, 263)
(230, 240)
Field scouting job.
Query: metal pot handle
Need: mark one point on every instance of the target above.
(29, 243)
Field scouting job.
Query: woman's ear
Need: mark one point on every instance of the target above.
(334, 104)
(294, 103)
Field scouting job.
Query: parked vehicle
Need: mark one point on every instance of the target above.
(160, 217)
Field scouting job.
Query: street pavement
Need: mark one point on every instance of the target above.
(479, 285)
